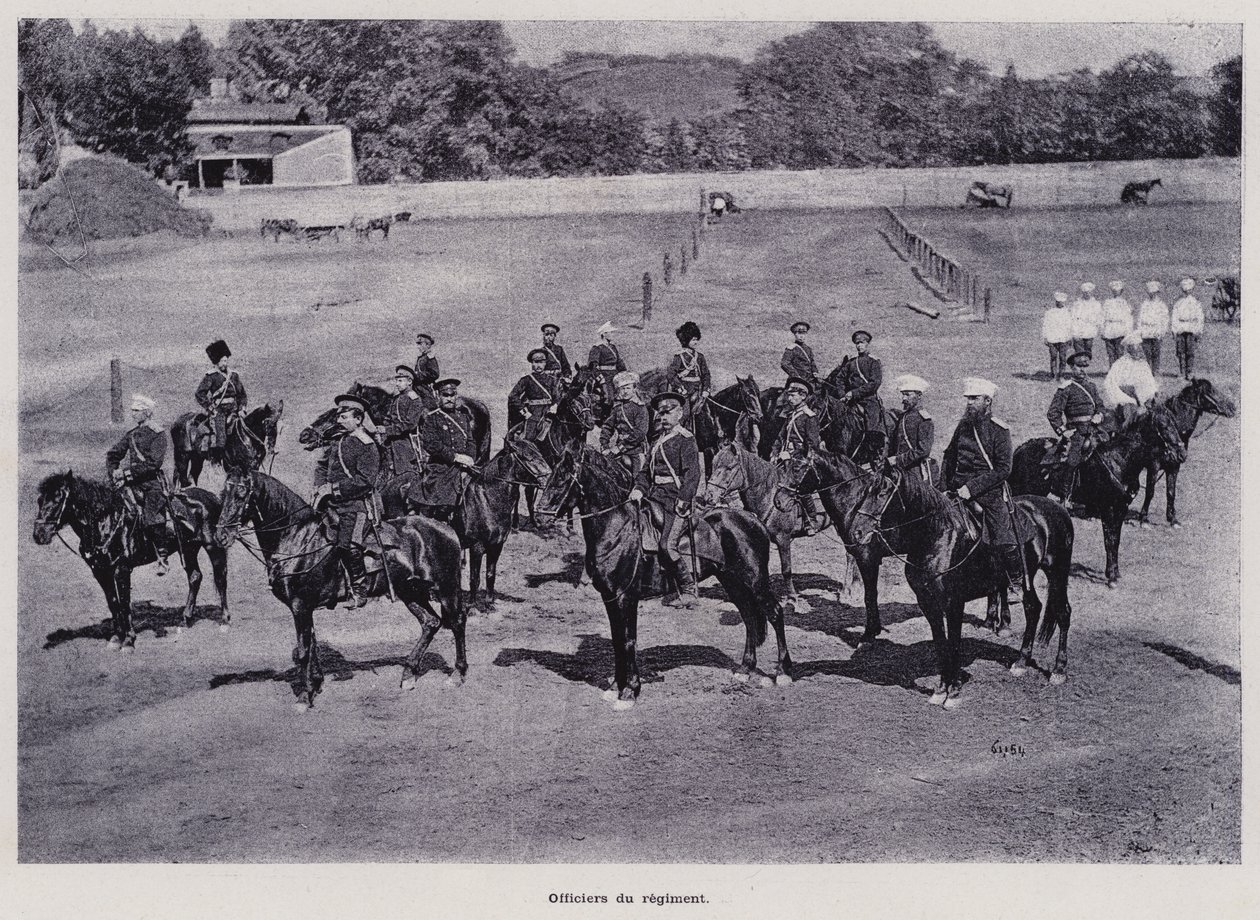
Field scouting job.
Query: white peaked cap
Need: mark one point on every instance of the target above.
(1117, 286)
(1060, 297)
(1187, 284)
(621, 378)
(909, 383)
(1152, 287)
(142, 402)
(1087, 287)
(607, 327)
(978, 386)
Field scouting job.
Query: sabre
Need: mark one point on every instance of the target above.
(389, 582)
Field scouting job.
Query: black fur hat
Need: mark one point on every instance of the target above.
(686, 332)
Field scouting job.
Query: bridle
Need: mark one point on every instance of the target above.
(878, 529)
(574, 486)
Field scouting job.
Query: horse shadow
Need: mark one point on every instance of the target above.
(571, 574)
(593, 661)
(1197, 663)
(145, 616)
(336, 667)
(1087, 573)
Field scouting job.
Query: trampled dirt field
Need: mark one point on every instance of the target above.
(189, 750)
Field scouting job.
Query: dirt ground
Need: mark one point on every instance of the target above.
(189, 750)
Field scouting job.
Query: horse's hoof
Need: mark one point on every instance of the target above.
(455, 680)
(1176, 525)
(408, 683)
(783, 680)
(1145, 525)
(741, 676)
(301, 707)
(623, 705)
(610, 694)
(114, 643)
(1058, 679)
(938, 697)
(1112, 584)
(1002, 632)
(765, 681)
(128, 648)
(224, 627)
(1018, 670)
(953, 702)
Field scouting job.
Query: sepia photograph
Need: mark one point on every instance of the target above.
(628, 442)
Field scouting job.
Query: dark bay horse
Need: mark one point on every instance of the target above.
(1108, 480)
(947, 564)
(1186, 408)
(422, 557)
(843, 429)
(109, 541)
(623, 573)
(249, 441)
(733, 411)
(575, 417)
(1138, 192)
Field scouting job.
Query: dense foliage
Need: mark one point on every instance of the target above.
(446, 100)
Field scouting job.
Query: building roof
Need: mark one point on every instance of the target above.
(205, 111)
(240, 140)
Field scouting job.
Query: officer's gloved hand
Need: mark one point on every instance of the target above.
(964, 493)
(1097, 418)
(636, 495)
(119, 477)
(463, 460)
(322, 494)
(785, 455)
(682, 509)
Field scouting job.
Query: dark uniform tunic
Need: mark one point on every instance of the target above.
(400, 431)
(1075, 404)
(353, 466)
(799, 437)
(557, 363)
(624, 433)
(221, 395)
(528, 403)
(979, 457)
(911, 442)
(689, 371)
(798, 361)
(861, 377)
(140, 454)
(606, 359)
(442, 436)
(427, 374)
(670, 479)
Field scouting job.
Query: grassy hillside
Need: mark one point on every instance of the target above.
(663, 89)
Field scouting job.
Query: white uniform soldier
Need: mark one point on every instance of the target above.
(1117, 321)
(1186, 325)
(1087, 318)
(1152, 324)
(1056, 332)
(1129, 385)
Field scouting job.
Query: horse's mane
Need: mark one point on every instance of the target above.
(100, 496)
(922, 496)
(613, 474)
(297, 510)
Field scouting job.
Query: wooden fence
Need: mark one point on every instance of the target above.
(945, 276)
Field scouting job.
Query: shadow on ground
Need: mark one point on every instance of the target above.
(145, 616)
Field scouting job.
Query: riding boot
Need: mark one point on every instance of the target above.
(685, 597)
(1013, 562)
(158, 535)
(357, 586)
(815, 513)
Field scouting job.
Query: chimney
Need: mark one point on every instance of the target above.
(218, 89)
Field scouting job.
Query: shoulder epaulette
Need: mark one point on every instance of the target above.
(412, 394)
(923, 415)
(1001, 424)
(808, 411)
(154, 425)
(684, 432)
(1064, 384)
(432, 412)
(363, 436)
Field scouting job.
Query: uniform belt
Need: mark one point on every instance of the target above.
(538, 402)
(662, 480)
(1078, 419)
(693, 378)
(607, 367)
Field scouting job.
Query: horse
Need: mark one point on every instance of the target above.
(249, 440)
(363, 227)
(1107, 481)
(737, 412)
(947, 564)
(487, 503)
(574, 418)
(987, 195)
(622, 573)
(1186, 408)
(734, 401)
(101, 517)
(273, 227)
(1138, 192)
(419, 564)
(841, 425)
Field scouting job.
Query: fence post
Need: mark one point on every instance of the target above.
(695, 246)
(704, 203)
(988, 303)
(647, 297)
(682, 266)
(115, 390)
(668, 269)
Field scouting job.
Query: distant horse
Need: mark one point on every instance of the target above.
(622, 573)
(249, 441)
(1108, 480)
(273, 228)
(947, 564)
(107, 524)
(363, 227)
(987, 195)
(402, 217)
(1138, 192)
(1186, 408)
(422, 558)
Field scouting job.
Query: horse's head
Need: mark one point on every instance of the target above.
(238, 504)
(529, 460)
(750, 396)
(1201, 395)
(728, 476)
(872, 500)
(562, 490)
(322, 432)
(50, 514)
(268, 425)
(376, 398)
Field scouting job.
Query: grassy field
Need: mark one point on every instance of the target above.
(188, 750)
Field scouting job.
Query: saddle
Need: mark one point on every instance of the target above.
(708, 544)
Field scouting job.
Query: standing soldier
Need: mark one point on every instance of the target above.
(798, 358)
(400, 431)
(533, 400)
(349, 485)
(977, 465)
(669, 481)
(624, 433)
(1075, 414)
(136, 462)
(861, 377)
(446, 436)
(557, 361)
(1056, 332)
(1152, 324)
(427, 371)
(1187, 325)
(689, 373)
(797, 441)
(220, 393)
(1129, 386)
(1117, 321)
(910, 447)
(606, 359)
(1087, 318)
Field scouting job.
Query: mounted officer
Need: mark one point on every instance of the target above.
(446, 436)
(557, 361)
(349, 488)
(606, 359)
(135, 463)
(797, 441)
(910, 445)
(689, 373)
(798, 358)
(977, 465)
(669, 481)
(220, 393)
(1075, 413)
(532, 402)
(427, 372)
(400, 430)
(624, 433)
(860, 377)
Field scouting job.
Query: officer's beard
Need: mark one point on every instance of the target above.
(973, 413)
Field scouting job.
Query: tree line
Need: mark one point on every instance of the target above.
(429, 101)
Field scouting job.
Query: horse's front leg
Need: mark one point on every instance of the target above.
(622, 623)
(492, 574)
(305, 656)
(430, 623)
(1171, 502)
(475, 552)
(218, 568)
(784, 542)
(105, 578)
(1152, 474)
(123, 629)
(867, 561)
(951, 673)
(192, 569)
(1112, 521)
